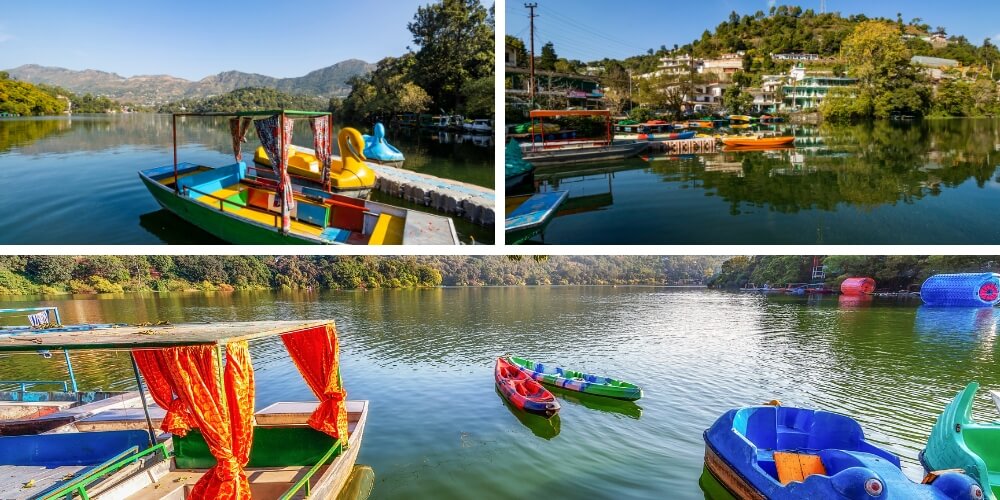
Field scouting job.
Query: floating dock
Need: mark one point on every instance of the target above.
(474, 203)
(685, 146)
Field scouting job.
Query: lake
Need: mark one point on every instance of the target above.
(74, 179)
(438, 428)
(924, 182)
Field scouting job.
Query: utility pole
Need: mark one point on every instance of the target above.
(822, 6)
(531, 61)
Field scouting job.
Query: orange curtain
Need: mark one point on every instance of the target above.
(160, 385)
(223, 415)
(316, 353)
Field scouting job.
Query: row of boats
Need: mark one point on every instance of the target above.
(312, 196)
(191, 429)
(777, 452)
(447, 122)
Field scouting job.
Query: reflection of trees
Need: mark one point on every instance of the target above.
(21, 133)
(864, 165)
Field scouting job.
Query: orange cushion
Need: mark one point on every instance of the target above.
(797, 466)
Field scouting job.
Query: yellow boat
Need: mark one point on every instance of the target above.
(758, 142)
(347, 173)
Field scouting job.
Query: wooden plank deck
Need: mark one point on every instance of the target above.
(14, 478)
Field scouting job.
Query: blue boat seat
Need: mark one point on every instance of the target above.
(76, 448)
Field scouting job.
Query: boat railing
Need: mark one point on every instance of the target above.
(25, 384)
(222, 203)
(305, 481)
(110, 466)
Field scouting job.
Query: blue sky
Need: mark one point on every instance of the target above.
(593, 29)
(194, 39)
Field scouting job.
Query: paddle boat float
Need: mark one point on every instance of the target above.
(529, 215)
(522, 391)
(203, 435)
(378, 149)
(238, 205)
(776, 452)
(959, 442)
(571, 380)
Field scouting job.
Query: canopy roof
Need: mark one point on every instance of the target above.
(150, 337)
(293, 113)
(541, 113)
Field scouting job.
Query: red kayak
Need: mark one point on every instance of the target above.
(522, 391)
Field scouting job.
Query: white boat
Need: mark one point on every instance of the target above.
(479, 126)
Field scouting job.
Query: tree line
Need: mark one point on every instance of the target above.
(55, 274)
(891, 273)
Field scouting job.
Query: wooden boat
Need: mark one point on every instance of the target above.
(529, 215)
(959, 442)
(578, 381)
(241, 208)
(701, 124)
(758, 142)
(137, 462)
(777, 452)
(584, 153)
(522, 391)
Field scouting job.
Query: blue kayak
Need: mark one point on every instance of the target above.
(378, 149)
(777, 452)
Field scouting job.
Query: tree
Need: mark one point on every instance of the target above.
(735, 100)
(547, 61)
(50, 269)
(413, 99)
(479, 97)
(456, 45)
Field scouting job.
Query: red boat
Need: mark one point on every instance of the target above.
(522, 391)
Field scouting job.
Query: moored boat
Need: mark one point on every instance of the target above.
(516, 170)
(740, 118)
(757, 142)
(776, 452)
(959, 442)
(378, 149)
(596, 385)
(578, 151)
(479, 126)
(522, 391)
(529, 215)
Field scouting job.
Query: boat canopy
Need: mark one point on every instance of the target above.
(188, 376)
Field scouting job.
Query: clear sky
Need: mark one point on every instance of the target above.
(194, 39)
(594, 29)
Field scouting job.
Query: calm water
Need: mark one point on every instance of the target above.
(931, 182)
(438, 429)
(73, 180)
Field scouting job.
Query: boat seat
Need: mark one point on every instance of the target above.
(796, 467)
(388, 230)
(335, 234)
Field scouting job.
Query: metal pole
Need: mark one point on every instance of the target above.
(174, 127)
(142, 396)
(531, 61)
(283, 169)
(69, 364)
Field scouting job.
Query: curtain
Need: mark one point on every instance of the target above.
(270, 136)
(322, 127)
(238, 128)
(223, 415)
(316, 354)
(160, 385)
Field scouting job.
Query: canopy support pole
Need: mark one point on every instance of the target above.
(69, 364)
(142, 396)
(174, 130)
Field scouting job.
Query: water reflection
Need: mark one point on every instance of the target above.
(545, 428)
(359, 484)
(619, 407)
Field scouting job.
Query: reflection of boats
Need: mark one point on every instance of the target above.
(529, 215)
(378, 149)
(545, 428)
(778, 452)
(758, 142)
(523, 392)
(216, 442)
(602, 149)
(572, 380)
(959, 442)
(621, 407)
(244, 209)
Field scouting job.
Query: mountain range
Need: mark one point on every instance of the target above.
(157, 89)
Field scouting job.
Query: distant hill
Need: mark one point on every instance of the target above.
(158, 89)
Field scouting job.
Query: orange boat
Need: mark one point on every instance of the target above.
(758, 142)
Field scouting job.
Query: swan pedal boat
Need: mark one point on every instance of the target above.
(349, 173)
(959, 442)
(586, 383)
(777, 452)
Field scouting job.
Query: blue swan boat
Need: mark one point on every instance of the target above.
(777, 452)
(379, 150)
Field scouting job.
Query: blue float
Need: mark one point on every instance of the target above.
(961, 290)
(378, 149)
(778, 452)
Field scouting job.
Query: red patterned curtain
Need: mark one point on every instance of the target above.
(322, 127)
(316, 354)
(223, 415)
(238, 127)
(269, 131)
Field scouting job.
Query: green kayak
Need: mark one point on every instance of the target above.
(958, 442)
(579, 381)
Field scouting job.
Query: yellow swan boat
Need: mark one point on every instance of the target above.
(347, 172)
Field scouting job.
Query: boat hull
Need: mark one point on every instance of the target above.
(739, 142)
(523, 392)
(571, 156)
(585, 383)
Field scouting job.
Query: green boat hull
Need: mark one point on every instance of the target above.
(958, 442)
(220, 224)
(578, 381)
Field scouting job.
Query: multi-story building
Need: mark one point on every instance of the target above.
(723, 66)
(805, 91)
(767, 98)
(795, 57)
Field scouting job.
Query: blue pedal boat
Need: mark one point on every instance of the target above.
(378, 149)
(776, 452)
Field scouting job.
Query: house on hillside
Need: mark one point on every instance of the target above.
(723, 66)
(795, 57)
(934, 67)
(803, 90)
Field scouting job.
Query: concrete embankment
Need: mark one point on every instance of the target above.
(475, 203)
